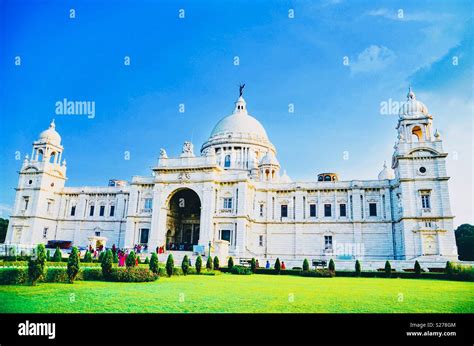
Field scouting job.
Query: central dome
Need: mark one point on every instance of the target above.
(240, 123)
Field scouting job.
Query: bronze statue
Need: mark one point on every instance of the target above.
(241, 89)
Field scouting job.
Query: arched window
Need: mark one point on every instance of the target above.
(52, 157)
(327, 178)
(39, 155)
(417, 134)
(320, 178)
(227, 161)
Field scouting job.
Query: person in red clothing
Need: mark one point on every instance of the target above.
(283, 266)
(136, 261)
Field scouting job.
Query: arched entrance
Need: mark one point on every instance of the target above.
(183, 220)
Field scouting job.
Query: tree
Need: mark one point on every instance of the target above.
(209, 264)
(357, 268)
(101, 256)
(331, 266)
(277, 266)
(139, 260)
(58, 256)
(115, 257)
(36, 264)
(388, 269)
(106, 263)
(170, 265)
(253, 265)
(230, 263)
(3, 229)
(131, 260)
(449, 270)
(147, 260)
(48, 255)
(185, 265)
(87, 257)
(305, 265)
(465, 242)
(198, 264)
(154, 265)
(417, 269)
(73, 264)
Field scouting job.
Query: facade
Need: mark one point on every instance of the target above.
(233, 199)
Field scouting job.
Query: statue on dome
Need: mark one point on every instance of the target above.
(163, 154)
(188, 150)
(241, 89)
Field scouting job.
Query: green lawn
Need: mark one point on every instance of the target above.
(244, 293)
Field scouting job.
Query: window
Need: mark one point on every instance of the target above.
(148, 203)
(73, 210)
(49, 206)
(97, 234)
(422, 170)
(428, 224)
(227, 161)
(372, 209)
(228, 203)
(261, 209)
(312, 210)
(327, 210)
(45, 233)
(327, 178)
(26, 201)
(328, 242)
(225, 234)
(91, 211)
(260, 240)
(102, 210)
(284, 210)
(342, 210)
(112, 210)
(144, 235)
(425, 201)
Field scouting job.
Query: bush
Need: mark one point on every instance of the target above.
(106, 263)
(216, 262)
(138, 260)
(57, 257)
(91, 274)
(13, 276)
(185, 265)
(357, 268)
(87, 257)
(198, 264)
(131, 260)
(154, 264)
(101, 256)
(209, 264)
(48, 255)
(57, 274)
(318, 273)
(147, 261)
(332, 266)
(277, 266)
(253, 265)
(36, 264)
(230, 263)
(115, 257)
(417, 269)
(241, 270)
(449, 269)
(73, 264)
(12, 255)
(169, 265)
(305, 265)
(132, 274)
(388, 269)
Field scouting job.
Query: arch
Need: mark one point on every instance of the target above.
(416, 134)
(429, 245)
(327, 178)
(227, 161)
(39, 155)
(52, 157)
(183, 219)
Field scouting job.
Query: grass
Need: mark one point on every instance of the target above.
(244, 293)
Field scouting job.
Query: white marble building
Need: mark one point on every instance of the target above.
(234, 197)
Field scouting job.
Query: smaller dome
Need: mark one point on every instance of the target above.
(285, 178)
(50, 135)
(413, 107)
(269, 159)
(386, 173)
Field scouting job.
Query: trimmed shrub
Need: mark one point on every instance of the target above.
(57, 257)
(185, 265)
(241, 270)
(48, 255)
(417, 269)
(305, 265)
(216, 263)
(131, 260)
(36, 264)
(115, 257)
(449, 269)
(198, 264)
(132, 274)
(57, 274)
(13, 276)
(154, 264)
(147, 260)
(332, 265)
(87, 257)
(101, 256)
(277, 266)
(12, 255)
(253, 265)
(388, 269)
(209, 264)
(169, 265)
(358, 269)
(230, 263)
(92, 274)
(139, 260)
(318, 273)
(73, 264)
(106, 263)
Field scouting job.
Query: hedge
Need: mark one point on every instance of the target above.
(132, 274)
(241, 270)
(13, 276)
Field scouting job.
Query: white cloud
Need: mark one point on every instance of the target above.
(406, 15)
(373, 58)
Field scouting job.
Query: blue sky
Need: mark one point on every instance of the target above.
(190, 61)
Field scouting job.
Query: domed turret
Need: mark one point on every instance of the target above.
(386, 173)
(269, 160)
(413, 107)
(50, 135)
